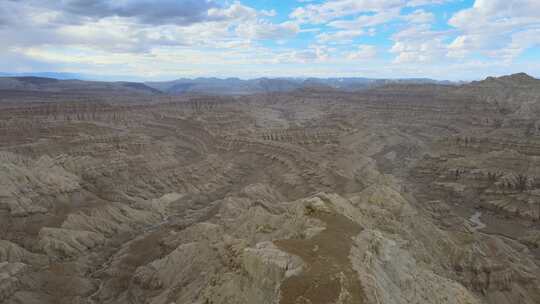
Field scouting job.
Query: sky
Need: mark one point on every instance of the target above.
(169, 39)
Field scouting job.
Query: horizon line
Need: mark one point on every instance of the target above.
(128, 78)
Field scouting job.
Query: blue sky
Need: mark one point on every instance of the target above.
(168, 39)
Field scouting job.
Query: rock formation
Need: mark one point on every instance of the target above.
(400, 193)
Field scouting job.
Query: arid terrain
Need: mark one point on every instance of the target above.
(398, 193)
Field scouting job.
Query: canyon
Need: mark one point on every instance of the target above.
(403, 192)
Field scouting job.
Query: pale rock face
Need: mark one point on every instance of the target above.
(191, 263)
(316, 204)
(256, 221)
(390, 275)
(262, 192)
(13, 253)
(362, 168)
(399, 257)
(249, 275)
(499, 268)
(232, 258)
(268, 265)
(8, 278)
(377, 206)
(192, 256)
(256, 278)
(58, 242)
(110, 220)
(455, 187)
(532, 238)
(23, 180)
(160, 205)
(262, 269)
(391, 156)
(24, 206)
(384, 197)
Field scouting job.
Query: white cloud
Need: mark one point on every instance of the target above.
(419, 44)
(353, 18)
(520, 42)
(313, 54)
(266, 30)
(346, 36)
(333, 9)
(228, 25)
(236, 11)
(414, 3)
(366, 20)
(420, 16)
(418, 51)
(232, 37)
(496, 28)
(364, 52)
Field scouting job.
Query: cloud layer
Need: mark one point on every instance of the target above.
(175, 38)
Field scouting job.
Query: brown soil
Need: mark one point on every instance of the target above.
(328, 269)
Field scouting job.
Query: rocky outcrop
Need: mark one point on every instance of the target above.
(112, 219)
(268, 266)
(13, 253)
(64, 243)
(390, 274)
(24, 180)
(9, 281)
(219, 271)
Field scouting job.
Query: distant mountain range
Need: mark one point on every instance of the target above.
(72, 86)
(236, 86)
(494, 88)
(73, 76)
(62, 76)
